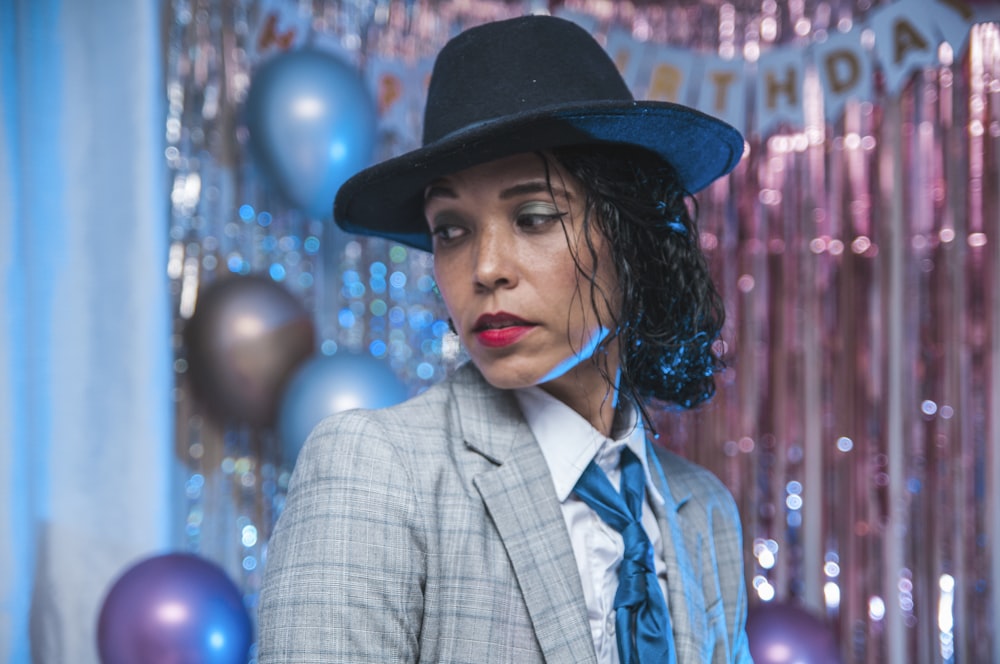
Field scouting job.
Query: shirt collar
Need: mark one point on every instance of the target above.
(569, 442)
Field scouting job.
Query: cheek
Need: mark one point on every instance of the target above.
(443, 279)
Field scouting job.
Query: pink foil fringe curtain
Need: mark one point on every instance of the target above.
(857, 422)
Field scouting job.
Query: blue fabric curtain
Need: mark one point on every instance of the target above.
(86, 463)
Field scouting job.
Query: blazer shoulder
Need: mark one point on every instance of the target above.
(691, 482)
(415, 417)
(684, 472)
(424, 430)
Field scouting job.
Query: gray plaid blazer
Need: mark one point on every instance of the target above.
(430, 532)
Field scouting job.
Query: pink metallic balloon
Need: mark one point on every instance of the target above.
(782, 633)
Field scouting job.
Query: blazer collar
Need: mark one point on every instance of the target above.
(681, 546)
(520, 498)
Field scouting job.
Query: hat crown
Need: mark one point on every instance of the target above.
(516, 67)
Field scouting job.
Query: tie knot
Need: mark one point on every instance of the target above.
(638, 548)
(618, 510)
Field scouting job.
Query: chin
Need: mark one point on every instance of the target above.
(508, 378)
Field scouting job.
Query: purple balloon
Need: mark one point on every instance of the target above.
(174, 609)
(781, 633)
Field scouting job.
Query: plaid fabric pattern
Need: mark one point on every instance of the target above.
(430, 532)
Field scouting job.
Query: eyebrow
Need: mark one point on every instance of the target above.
(533, 187)
(438, 191)
(520, 189)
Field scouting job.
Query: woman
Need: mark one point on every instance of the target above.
(516, 512)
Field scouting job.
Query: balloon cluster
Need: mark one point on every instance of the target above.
(312, 124)
(174, 608)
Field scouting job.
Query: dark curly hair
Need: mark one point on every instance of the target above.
(670, 313)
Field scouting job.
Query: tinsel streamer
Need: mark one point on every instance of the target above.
(989, 38)
(896, 456)
(857, 421)
(888, 515)
(982, 205)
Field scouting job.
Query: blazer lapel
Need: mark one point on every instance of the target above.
(685, 596)
(519, 497)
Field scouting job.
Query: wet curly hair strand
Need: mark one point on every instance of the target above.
(671, 312)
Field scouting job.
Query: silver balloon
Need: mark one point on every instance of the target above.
(246, 337)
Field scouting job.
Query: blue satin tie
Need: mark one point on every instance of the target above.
(642, 623)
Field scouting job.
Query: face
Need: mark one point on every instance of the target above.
(505, 237)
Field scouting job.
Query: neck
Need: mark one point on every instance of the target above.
(595, 400)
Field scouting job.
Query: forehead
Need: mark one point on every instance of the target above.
(500, 174)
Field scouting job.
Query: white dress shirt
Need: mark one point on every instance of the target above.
(568, 443)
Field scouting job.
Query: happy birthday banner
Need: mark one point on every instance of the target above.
(897, 40)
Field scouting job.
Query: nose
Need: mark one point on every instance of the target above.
(495, 261)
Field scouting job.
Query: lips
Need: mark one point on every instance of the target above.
(498, 320)
(500, 329)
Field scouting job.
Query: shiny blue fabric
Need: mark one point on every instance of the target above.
(642, 621)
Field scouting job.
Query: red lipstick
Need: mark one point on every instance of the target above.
(500, 329)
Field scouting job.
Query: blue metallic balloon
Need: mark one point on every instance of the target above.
(312, 125)
(174, 608)
(325, 385)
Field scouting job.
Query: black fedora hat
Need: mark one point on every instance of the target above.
(521, 85)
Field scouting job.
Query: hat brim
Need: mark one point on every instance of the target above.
(386, 199)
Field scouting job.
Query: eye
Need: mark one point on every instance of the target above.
(536, 216)
(445, 233)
